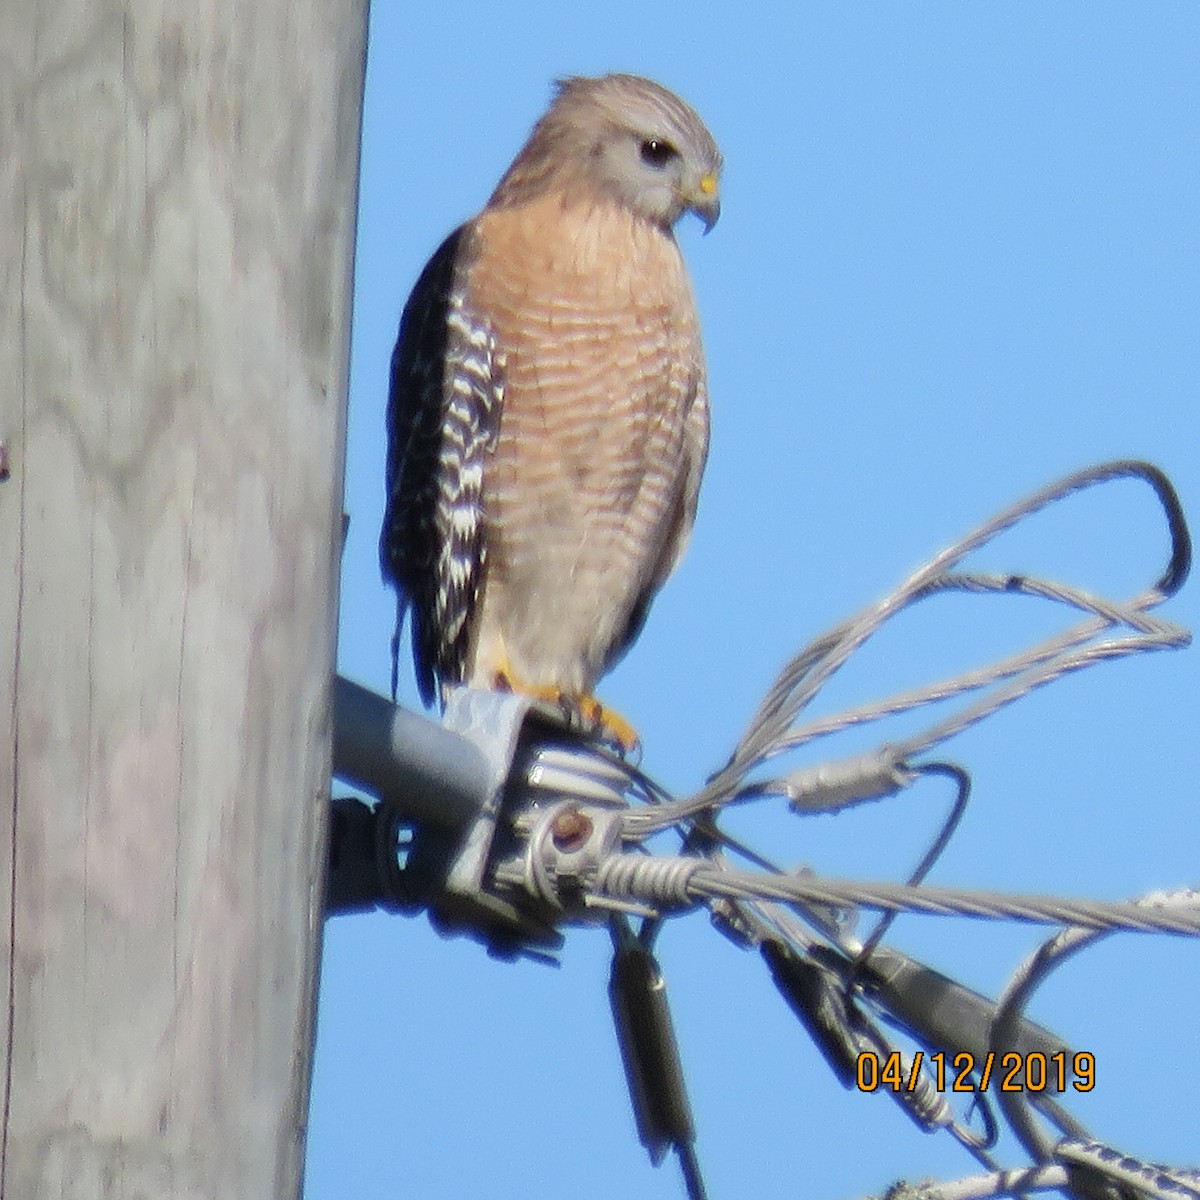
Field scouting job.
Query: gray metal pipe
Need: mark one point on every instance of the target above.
(429, 772)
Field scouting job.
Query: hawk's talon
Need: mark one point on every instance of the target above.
(609, 726)
(584, 714)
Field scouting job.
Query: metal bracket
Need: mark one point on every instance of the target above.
(493, 723)
(461, 805)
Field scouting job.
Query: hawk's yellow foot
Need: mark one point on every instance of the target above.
(584, 713)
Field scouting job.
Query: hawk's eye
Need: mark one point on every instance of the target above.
(657, 153)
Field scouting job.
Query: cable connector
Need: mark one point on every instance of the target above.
(830, 786)
(566, 842)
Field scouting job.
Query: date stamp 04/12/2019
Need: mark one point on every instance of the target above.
(966, 1072)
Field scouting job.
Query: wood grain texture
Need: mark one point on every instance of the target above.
(177, 200)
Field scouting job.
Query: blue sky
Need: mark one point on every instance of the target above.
(959, 256)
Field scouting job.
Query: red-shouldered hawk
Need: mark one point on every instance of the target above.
(548, 415)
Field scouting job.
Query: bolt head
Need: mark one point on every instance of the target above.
(570, 830)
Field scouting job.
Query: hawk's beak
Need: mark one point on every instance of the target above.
(706, 202)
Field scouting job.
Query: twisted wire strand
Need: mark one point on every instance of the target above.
(1030, 975)
(784, 699)
(1119, 1168)
(1153, 633)
(673, 883)
(1167, 1184)
(935, 577)
(771, 732)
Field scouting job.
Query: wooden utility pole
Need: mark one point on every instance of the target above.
(177, 206)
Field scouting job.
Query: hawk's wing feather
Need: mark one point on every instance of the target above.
(443, 417)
